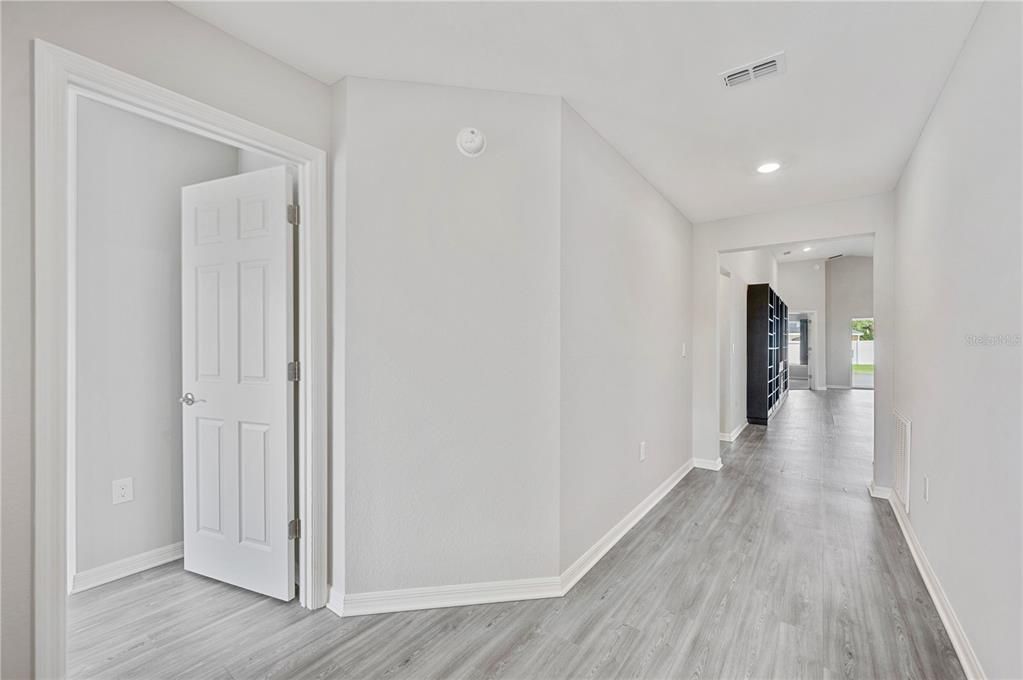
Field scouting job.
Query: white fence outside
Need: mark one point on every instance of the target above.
(862, 351)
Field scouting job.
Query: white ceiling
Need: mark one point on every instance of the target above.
(821, 250)
(861, 79)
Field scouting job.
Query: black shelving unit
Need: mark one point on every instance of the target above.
(767, 369)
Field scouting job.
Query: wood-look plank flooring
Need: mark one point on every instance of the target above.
(778, 566)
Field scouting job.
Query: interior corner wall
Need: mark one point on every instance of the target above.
(625, 297)
(128, 275)
(803, 285)
(452, 337)
(958, 275)
(850, 295)
(162, 44)
(852, 217)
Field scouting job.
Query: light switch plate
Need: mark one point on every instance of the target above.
(123, 490)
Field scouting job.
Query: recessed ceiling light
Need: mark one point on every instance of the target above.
(768, 168)
(807, 249)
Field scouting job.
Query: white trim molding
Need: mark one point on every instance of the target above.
(961, 644)
(409, 599)
(882, 492)
(97, 576)
(706, 464)
(581, 566)
(59, 77)
(734, 434)
(336, 601)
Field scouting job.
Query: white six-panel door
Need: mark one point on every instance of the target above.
(237, 333)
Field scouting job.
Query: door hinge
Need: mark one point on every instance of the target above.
(294, 371)
(294, 529)
(294, 215)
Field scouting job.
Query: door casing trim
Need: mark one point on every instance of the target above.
(60, 78)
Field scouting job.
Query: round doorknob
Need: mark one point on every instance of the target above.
(188, 399)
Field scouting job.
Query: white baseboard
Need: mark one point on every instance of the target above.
(733, 435)
(336, 601)
(705, 464)
(380, 602)
(130, 565)
(409, 599)
(839, 387)
(882, 492)
(589, 558)
(961, 644)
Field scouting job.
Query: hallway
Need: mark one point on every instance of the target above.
(780, 565)
(832, 557)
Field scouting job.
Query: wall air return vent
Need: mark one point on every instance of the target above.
(754, 70)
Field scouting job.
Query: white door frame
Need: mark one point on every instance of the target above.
(60, 78)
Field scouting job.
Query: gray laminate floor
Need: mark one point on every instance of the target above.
(780, 565)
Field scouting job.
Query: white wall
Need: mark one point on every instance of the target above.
(871, 214)
(744, 268)
(958, 274)
(732, 358)
(128, 335)
(752, 266)
(625, 296)
(160, 43)
(251, 161)
(738, 361)
(515, 328)
(802, 285)
(452, 360)
(725, 349)
(850, 295)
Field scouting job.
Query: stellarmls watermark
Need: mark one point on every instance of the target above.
(1008, 340)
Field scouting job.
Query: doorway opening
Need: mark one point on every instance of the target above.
(799, 338)
(821, 284)
(182, 441)
(861, 339)
(112, 309)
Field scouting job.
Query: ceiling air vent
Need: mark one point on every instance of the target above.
(752, 71)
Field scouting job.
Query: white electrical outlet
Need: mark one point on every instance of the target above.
(642, 451)
(927, 489)
(123, 490)
(685, 350)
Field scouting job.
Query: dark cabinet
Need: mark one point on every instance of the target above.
(767, 366)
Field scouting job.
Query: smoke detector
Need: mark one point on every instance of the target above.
(754, 70)
(471, 142)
